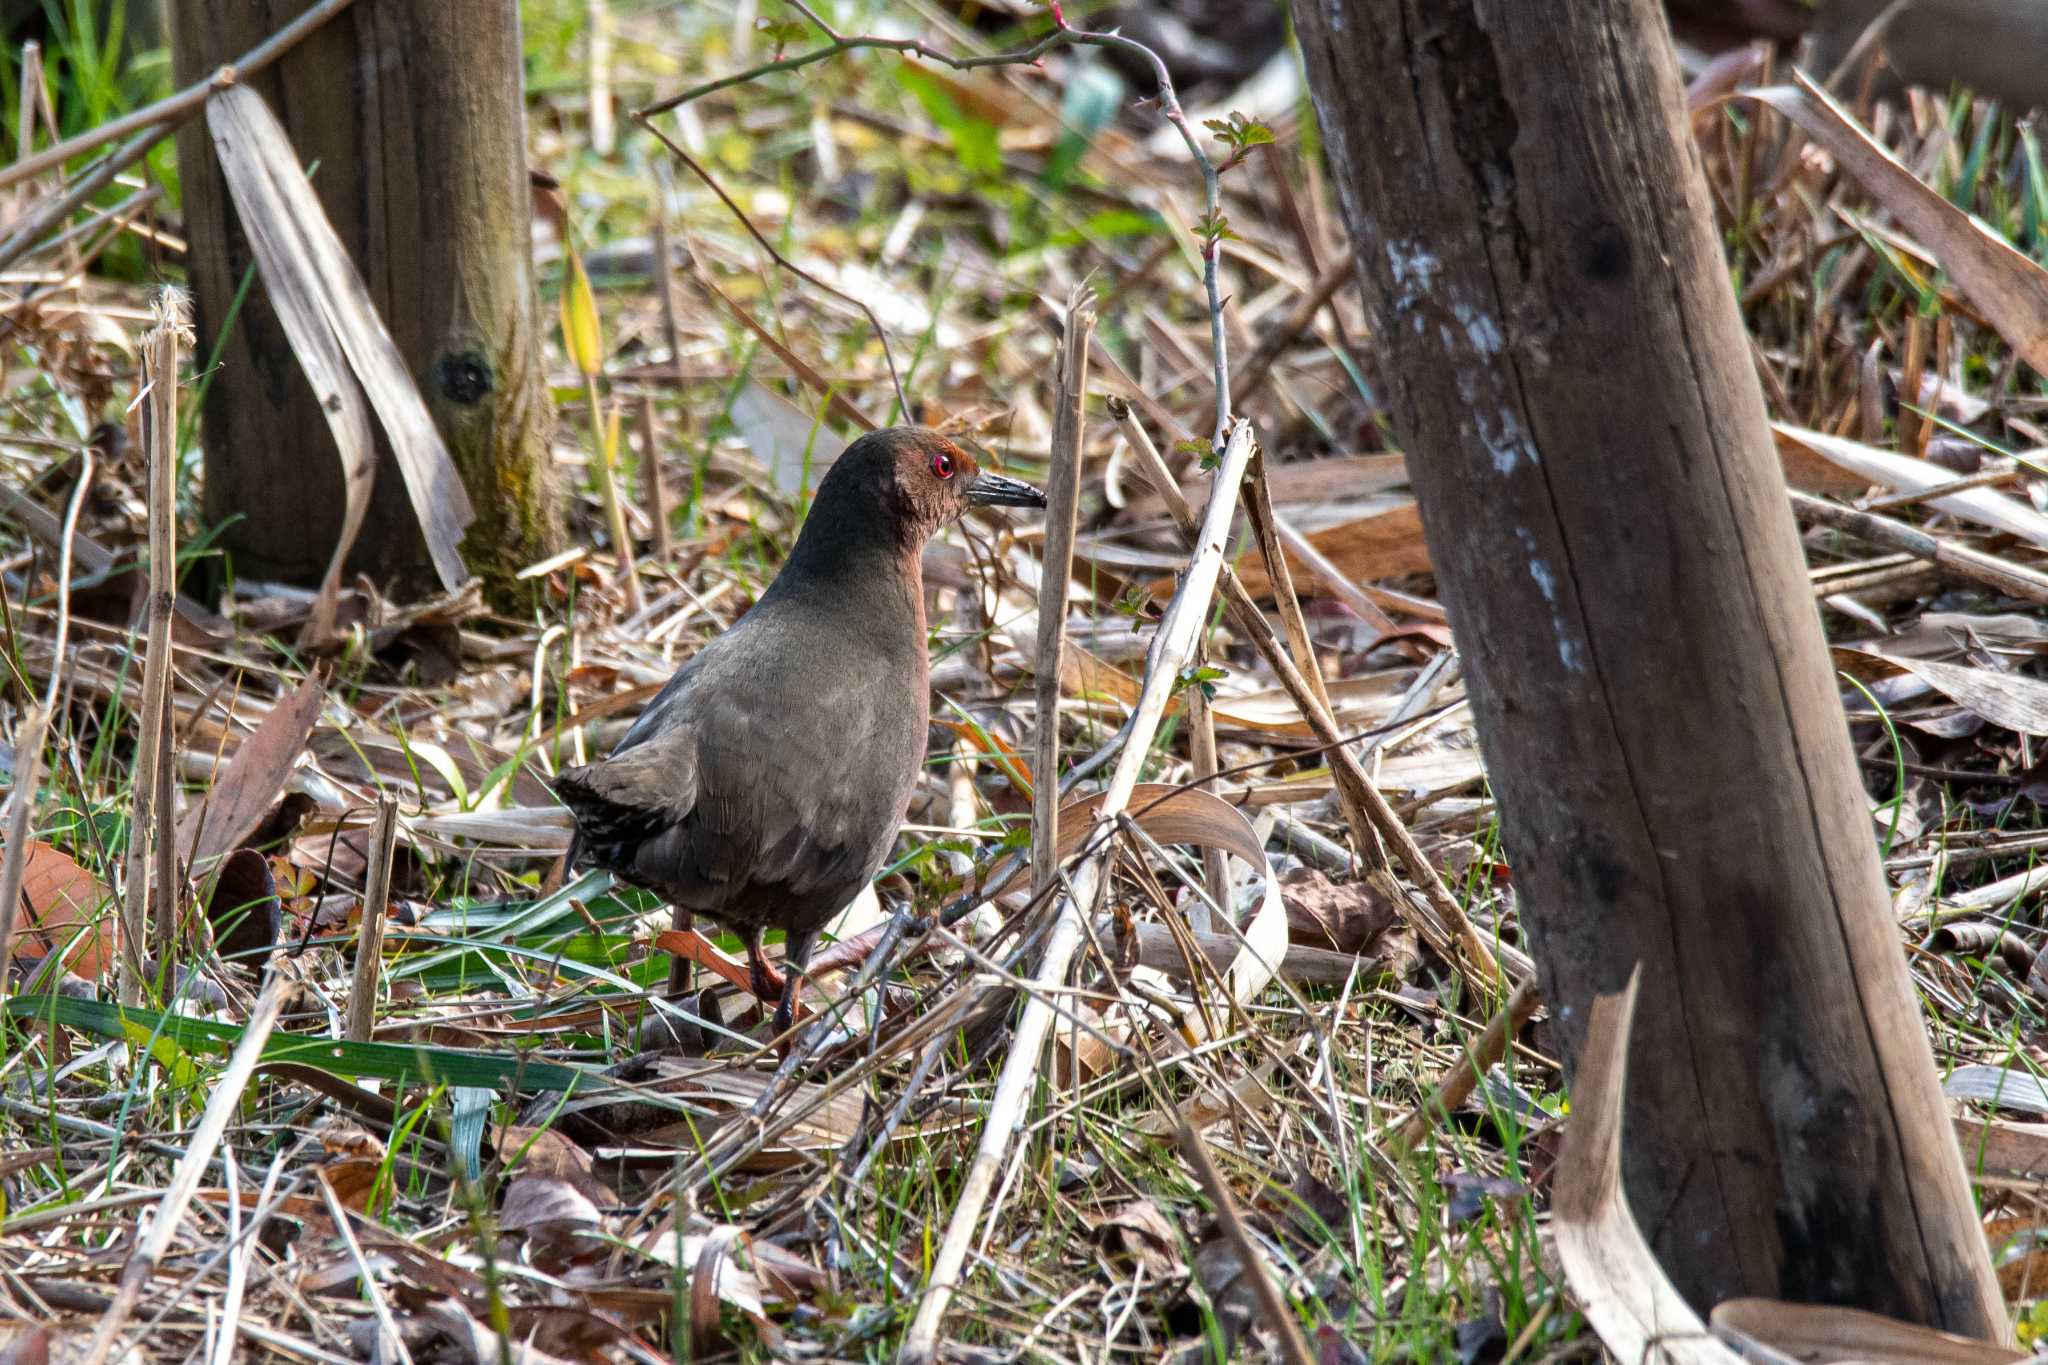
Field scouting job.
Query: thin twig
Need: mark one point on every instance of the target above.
(1464, 1076)
(1063, 35)
(888, 355)
(2007, 577)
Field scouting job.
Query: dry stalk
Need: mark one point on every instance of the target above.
(149, 828)
(1171, 647)
(650, 474)
(2004, 575)
(362, 995)
(1063, 502)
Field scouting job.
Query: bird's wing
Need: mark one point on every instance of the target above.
(810, 791)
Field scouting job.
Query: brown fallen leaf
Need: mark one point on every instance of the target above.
(245, 791)
(1138, 1234)
(1342, 919)
(65, 908)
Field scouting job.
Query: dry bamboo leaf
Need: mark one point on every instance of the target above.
(2011, 700)
(1175, 816)
(2010, 290)
(792, 443)
(306, 269)
(1903, 473)
(1996, 1149)
(1826, 1335)
(1639, 1314)
(1384, 545)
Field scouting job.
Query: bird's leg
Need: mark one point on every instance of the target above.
(796, 952)
(763, 980)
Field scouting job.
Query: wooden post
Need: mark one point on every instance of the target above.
(1565, 364)
(413, 114)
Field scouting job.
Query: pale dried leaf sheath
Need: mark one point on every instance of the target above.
(300, 257)
(1624, 1293)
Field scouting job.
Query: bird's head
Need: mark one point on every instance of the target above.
(919, 479)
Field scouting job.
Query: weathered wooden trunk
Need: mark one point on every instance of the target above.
(1564, 361)
(411, 118)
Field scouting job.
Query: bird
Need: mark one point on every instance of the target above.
(766, 783)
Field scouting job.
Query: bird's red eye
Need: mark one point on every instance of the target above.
(942, 465)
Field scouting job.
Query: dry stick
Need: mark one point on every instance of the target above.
(1171, 645)
(362, 995)
(1463, 1077)
(1063, 501)
(28, 740)
(1447, 929)
(1273, 1305)
(1331, 576)
(159, 436)
(2001, 574)
(1202, 756)
(192, 1167)
(896, 380)
(1268, 527)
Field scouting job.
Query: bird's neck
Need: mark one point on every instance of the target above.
(844, 566)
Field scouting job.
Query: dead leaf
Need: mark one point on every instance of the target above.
(2011, 700)
(1638, 1313)
(65, 907)
(353, 1158)
(243, 908)
(1138, 1234)
(1341, 919)
(1865, 465)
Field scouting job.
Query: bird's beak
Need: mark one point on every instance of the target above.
(994, 490)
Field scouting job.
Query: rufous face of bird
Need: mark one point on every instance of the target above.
(936, 479)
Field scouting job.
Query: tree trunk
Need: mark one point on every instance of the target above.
(411, 117)
(1564, 359)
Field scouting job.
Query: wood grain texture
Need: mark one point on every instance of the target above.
(412, 117)
(1563, 359)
